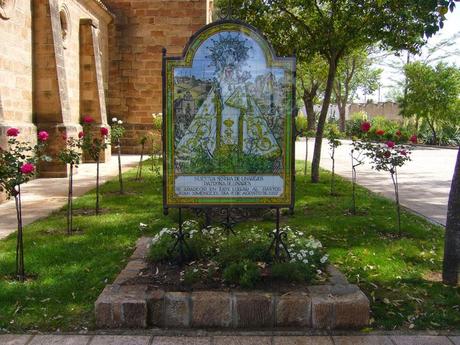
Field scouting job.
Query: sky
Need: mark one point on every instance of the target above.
(390, 76)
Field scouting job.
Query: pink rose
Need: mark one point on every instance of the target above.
(81, 135)
(365, 126)
(104, 131)
(413, 139)
(403, 153)
(27, 168)
(390, 144)
(12, 132)
(88, 119)
(43, 135)
(64, 137)
(380, 132)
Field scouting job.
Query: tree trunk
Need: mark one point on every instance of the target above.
(451, 264)
(20, 270)
(97, 186)
(310, 109)
(120, 177)
(69, 201)
(322, 120)
(342, 111)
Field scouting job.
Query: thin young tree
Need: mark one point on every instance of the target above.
(71, 156)
(117, 130)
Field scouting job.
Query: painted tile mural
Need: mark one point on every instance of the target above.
(228, 121)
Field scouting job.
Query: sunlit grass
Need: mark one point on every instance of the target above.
(70, 272)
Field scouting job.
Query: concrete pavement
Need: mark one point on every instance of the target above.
(228, 340)
(424, 182)
(41, 196)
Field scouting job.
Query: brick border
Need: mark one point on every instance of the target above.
(336, 305)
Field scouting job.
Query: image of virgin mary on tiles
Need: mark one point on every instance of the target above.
(228, 109)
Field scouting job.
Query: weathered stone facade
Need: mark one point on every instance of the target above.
(63, 59)
(140, 31)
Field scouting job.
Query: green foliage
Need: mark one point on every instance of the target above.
(432, 95)
(293, 272)
(71, 153)
(244, 273)
(17, 154)
(191, 276)
(333, 136)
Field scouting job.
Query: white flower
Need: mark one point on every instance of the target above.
(323, 259)
(195, 270)
(114, 119)
(120, 122)
(311, 252)
(305, 261)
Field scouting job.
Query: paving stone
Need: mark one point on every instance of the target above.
(420, 340)
(363, 340)
(120, 340)
(177, 309)
(13, 339)
(211, 309)
(455, 340)
(351, 311)
(305, 340)
(253, 310)
(293, 309)
(181, 341)
(242, 340)
(60, 340)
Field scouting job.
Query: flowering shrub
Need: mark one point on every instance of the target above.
(117, 131)
(242, 259)
(71, 155)
(387, 152)
(93, 145)
(18, 164)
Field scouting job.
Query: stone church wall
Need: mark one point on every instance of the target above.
(140, 31)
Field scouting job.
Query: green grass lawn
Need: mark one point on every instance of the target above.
(398, 275)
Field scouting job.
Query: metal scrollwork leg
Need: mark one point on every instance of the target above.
(279, 240)
(228, 223)
(180, 242)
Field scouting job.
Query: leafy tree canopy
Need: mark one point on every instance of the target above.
(432, 94)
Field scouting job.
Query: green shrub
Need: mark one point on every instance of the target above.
(191, 276)
(244, 273)
(292, 272)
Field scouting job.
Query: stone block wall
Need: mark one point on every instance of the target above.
(140, 31)
(389, 110)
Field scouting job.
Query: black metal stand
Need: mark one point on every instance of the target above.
(279, 238)
(180, 242)
(228, 223)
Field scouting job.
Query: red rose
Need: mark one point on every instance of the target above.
(365, 126)
(43, 135)
(387, 154)
(398, 133)
(104, 131)
(413, 139)
(27, 168)
(81, 135)
(403, 153)
(380, 132)
(88, 119)
(390, 144)
(12, 132)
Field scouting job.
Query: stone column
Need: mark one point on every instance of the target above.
(51, 101)
(92, 98)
